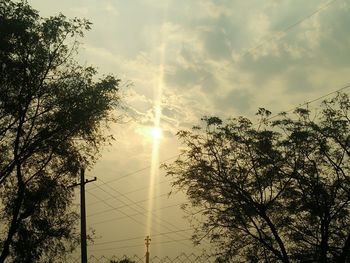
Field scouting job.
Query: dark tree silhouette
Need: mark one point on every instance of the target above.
(274, 192)
(53, 115)
(124, 260)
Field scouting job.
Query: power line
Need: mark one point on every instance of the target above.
(124, 205)
(135, 172)
(121, 211)
(139, 237)
(133, 191)
(123, 217)
(133, 246)
(132, 218)
(344, 87)
(153, 214)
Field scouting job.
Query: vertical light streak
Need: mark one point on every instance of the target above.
(154, 172)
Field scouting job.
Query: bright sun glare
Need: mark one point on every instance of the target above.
(156, 133)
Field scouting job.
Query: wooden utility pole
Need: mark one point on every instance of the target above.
(83, 244)
(147, 243)
(83, 217)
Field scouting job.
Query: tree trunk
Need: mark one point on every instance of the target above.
(18, 201)
(345, 251)
(324, 242)
(14, 225)
(285, 257)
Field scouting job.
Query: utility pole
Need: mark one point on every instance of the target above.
(83, 244)
(147, 243)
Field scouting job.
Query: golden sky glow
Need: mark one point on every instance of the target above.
(150, 134)
(188, 59)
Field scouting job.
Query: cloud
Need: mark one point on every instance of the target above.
(221, 57)
(216, 43)
(236, 102)
(111, 9)
(297, 80)
(259, 26)
(311, 32)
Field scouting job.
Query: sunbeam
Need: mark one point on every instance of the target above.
(156, 134)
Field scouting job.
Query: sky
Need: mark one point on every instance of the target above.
(180, 60)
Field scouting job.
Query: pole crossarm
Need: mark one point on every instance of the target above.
(147, 243)
(86, 181)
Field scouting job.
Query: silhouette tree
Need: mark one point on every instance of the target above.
(274, 192)
(53, 115)
(124, 260)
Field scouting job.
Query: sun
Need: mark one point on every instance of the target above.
(156, 133)
(150, 134)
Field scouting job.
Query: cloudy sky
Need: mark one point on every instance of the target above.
(180, 60)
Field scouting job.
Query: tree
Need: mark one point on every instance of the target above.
(124, 260)
(53, 115)
(274, 192)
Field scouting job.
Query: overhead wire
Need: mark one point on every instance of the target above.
(343, 87)
(133, 173)
(124, 205)
(132, 218)
(133, 191)
(141, 207)
(134, 246)
(119, 210)
(123, 217)
(140, 237)
(166, 222)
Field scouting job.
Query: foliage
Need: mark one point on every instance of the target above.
(124, 260)
(53, 113)
(277, 192)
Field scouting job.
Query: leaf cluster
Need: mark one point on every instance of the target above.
(278, 191)
(54, 114)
